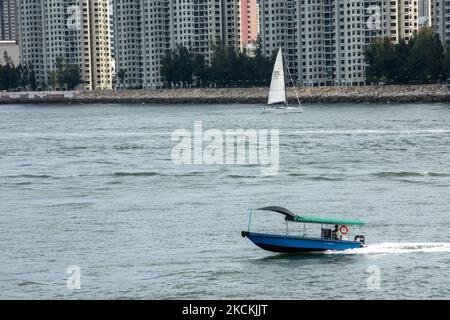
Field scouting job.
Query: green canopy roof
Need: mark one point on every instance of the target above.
(290, 216)
(327, 220)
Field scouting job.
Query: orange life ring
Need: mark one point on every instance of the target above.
(344, 229)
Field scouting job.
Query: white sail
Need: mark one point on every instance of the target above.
(277, 92)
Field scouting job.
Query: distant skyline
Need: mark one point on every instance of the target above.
(80, 34)
(145, 31)
(8, 20)
(323, 41)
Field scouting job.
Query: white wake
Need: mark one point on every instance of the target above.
(398, 248)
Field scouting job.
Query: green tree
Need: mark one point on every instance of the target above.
(168, 68)
(121, 74)
(218, 67)
(23, 76)
(13, 78)
(446, 63)
(185, 71)
(228, 68)
(9, 79)
(418, 61)
(72, 76)
(262, 68)
(200, 70)
(381, 57)
(65, 76)
(32, 82)
(425, 57)
(53, 79)
(400, 74)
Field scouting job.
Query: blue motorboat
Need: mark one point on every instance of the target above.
(330, 239)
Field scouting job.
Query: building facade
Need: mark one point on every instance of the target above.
(223, 22)
(248, 13)
(128, 41)
(409, 16)
(98, 29)
(324, 40)
(76, 30)
(441, 20)
(146, 30)
(8, 20)
(426, 9)
(404, 19)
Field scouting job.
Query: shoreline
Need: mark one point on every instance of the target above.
(366, 94)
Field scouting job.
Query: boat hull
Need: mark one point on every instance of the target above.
(281, 110)
(293, 244)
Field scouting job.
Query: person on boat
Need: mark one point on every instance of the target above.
(335, 233)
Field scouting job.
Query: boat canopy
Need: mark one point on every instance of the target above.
(289, 215)
(296, 218)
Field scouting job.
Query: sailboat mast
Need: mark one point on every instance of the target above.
(285, 89)
(293, 85)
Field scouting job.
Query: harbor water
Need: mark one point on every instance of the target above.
(93, 191)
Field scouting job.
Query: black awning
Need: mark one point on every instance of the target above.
(289, 215)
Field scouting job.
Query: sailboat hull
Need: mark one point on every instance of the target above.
(283, 110)
(294, 244)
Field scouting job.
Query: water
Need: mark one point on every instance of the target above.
(94, 186)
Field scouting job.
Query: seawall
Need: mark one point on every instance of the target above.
(368, 94)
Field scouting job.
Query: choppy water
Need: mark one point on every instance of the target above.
(94, 186)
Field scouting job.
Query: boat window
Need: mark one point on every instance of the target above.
(326, 233)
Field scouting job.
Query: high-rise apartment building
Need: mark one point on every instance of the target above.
(248, 13)
(7, 20)
(76, 30)
(155, 41)
(128, 41)
(223, 22)
(409, 16)
(98, 28)
(323, 40)
(112, 39)
(188, 25)
(426, 8)
(441, 19)
(145, 30)
(404, 19)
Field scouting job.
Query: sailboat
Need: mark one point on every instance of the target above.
(277, 95)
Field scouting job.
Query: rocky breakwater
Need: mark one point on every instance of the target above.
(187, 96)
(375, 94)
(367, 94)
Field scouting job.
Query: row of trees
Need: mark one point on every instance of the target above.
(65, 76)
(228, 68)
(422, 60)
(21, 77)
